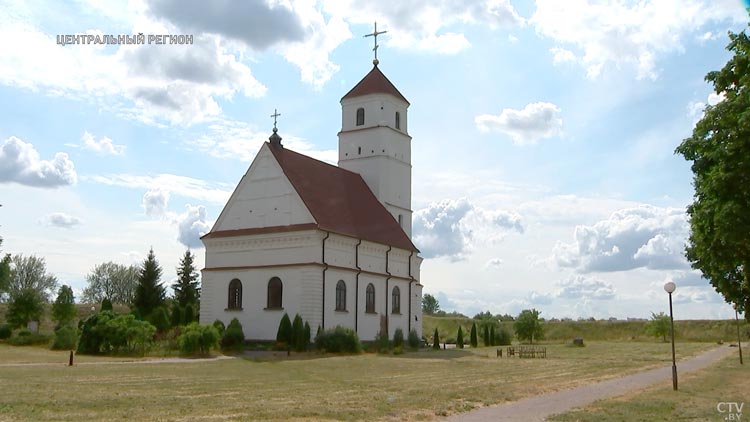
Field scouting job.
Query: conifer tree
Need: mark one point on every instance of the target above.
(473, 336)
(492, 335)
(486, 336)
(186, 289)
(436, 340)
(460, 338)
(149, 294)
(284, 334)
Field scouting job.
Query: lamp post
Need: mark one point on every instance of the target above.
(670, 287)
(739, 338)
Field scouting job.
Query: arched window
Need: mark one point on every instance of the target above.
(275, 290)
(341, 296)
(235, 295)
(396, 300)
(370, 299)
(360, 116)
(398, 120)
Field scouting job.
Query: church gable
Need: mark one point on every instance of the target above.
(263, 198)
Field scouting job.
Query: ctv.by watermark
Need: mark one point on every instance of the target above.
(123, 39)
(730, 411)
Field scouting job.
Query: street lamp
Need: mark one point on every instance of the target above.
(739, 338)
(670, 287)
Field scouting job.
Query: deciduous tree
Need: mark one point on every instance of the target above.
(719, 243)
(659, 325)
(528, 326)
(64, 308)
(430, 305)
(30, 272)
(25, 306)
(111, 281)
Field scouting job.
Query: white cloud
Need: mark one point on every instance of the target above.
(644, 236)
(61, 220)
(535, 121)
(155, 202)
(561, 55)
(494, 263)
(450, 228)
(20, 163)
(177, 185)
(104, 145)
(191, 225)
(579, 287)
(696, 109)
(632, 34)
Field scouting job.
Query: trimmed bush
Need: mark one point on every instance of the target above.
(307, 335)
(26, 338)
(338, 340)
(175, 318)
(460, 338)
(198, 339)
(284, 334)
(298, 334)
(413, 339)
(159, 318)
(398, 338)
(436, 340)
(492, 335)
(66, 337)
(382, 342)
(486, 336)
(502, 337)
(473, 336)
(5, 332)
(220, 327)
(233, 338)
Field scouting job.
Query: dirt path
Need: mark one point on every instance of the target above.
(121, 362)
(537, 409)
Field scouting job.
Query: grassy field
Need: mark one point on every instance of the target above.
(696, 400)
(413, 386)
(565, 331)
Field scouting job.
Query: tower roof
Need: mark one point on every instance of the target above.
(374, 82)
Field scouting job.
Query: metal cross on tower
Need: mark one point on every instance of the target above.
(275, 115)
(375, 34)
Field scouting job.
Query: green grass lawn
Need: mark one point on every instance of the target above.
(697, 398)
(412, 386)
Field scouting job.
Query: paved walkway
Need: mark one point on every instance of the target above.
(537, 409)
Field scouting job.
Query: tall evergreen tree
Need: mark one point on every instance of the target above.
(473, 336)
(436, 340)
(149, 294)
(460, 338)
(186, 289)
(486, 336)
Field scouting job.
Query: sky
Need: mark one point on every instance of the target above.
(543, 134)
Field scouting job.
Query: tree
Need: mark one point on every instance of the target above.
(460, 338)
(659, 325)
(26, 305)
(430, 305)
(64, 308)
(492, 336)
(528, 326)
(473, 335)
(4, 273)
(149, 294)
(298, 334)
(111, 281)
(186, 289)
(284, 333)
(486, 335)
(30, 272)
(719, 243)
(436, 340)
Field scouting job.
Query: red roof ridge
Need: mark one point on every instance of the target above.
(375, 82)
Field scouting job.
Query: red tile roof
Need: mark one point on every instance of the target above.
(340, 201)
(374, 82)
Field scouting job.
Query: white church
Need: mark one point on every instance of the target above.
(331, 243)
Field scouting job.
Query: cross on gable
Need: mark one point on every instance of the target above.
(275, 115)
(375, 34)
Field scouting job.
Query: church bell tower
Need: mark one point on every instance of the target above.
(375, 143)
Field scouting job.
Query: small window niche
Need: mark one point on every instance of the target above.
(360, 116)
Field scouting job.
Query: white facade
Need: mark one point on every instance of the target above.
(266, 231)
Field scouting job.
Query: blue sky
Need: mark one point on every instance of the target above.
(543, 134)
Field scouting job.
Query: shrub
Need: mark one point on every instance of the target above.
(460, 338)
(66, 337)
(107, 305)
(284, 334)
(338, 340)
(188, 315)
(436, 340)
(159, 318)
(492, 335)
(473, 336)
(307, 335)
(106, 332)
(298, 334)
(175, 317)
(486, 336)
(27, 338)
(220, 327)
(234, 337)
(91, 336)
(413, 339)
(5, 332)
(382, 342)
(502, 337)
(398, 338)
(198, 339)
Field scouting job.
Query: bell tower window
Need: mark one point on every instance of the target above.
(360, 116)
(398, 120)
